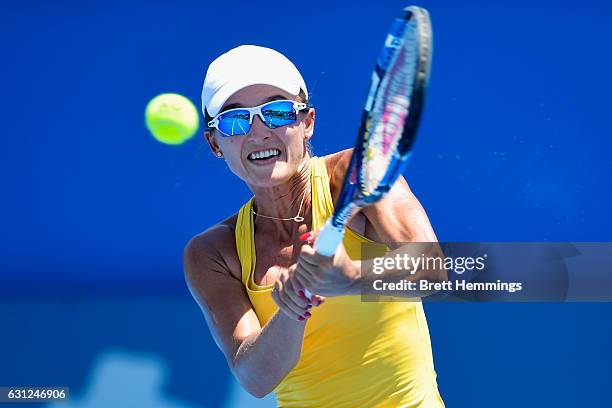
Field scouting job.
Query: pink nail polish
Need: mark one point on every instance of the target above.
(301, 293)
(301, 318)
(305, 236)
(307, 314)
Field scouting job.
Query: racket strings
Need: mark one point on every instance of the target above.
(389, 113)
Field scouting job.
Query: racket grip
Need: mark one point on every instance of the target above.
(326, 243)
(328, 239)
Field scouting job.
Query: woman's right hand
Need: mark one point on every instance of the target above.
(291, 302)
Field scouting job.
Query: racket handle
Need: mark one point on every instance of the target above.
(327, 242)
(328, 239)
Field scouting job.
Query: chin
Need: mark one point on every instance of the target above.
(275, 176)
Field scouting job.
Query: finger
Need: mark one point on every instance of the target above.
(297, 292)
(306, 267)
(293, 311)
(307, 278)
(310, 236)
(291, 290)
(318, 300)
(301, 284)
(282, 307)
(315, 300)
(307, 250)
(313, 274)
(306, 236)
(285, 297)
(285, 308)
(313, 236)
(312, 257)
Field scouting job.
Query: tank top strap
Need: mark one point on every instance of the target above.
(245, 240)
(322, 203)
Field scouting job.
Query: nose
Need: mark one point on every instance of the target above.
(259, 131)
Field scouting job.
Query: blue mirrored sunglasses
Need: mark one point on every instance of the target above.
(274, 114)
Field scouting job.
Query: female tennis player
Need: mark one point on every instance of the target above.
(248, 273)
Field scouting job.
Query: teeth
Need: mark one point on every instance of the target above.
(264, 154)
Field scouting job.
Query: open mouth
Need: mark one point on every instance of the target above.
(264, 155)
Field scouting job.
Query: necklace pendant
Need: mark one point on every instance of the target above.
(297, 218)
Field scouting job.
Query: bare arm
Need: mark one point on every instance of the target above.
(398, 218)
(258, 357)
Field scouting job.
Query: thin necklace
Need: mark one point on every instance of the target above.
(297, 218)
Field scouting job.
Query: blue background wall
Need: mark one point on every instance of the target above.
(95, 213)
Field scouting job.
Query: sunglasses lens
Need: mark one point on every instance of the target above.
(235, 122)
(279, 113)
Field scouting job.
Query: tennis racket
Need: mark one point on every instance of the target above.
(388, 124)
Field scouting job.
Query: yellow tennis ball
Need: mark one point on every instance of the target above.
(171, 118)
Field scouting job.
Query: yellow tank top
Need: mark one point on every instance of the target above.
(355, 354)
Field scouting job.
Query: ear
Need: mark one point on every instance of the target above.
(309, 122)
(212, 142)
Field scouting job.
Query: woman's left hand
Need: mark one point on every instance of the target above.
(336, 275)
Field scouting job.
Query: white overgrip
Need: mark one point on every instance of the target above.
(327, 242)
(328, 239)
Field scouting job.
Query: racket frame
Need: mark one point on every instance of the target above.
(351, 196)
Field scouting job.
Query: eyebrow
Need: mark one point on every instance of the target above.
(238, 105)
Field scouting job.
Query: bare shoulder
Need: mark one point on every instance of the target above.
(214, 250)
(212, 274)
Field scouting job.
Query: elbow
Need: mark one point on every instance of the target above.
(256, 388)
(255, 384)
(258, 393)
(259, 378)
(439, 275)
(432, 275)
